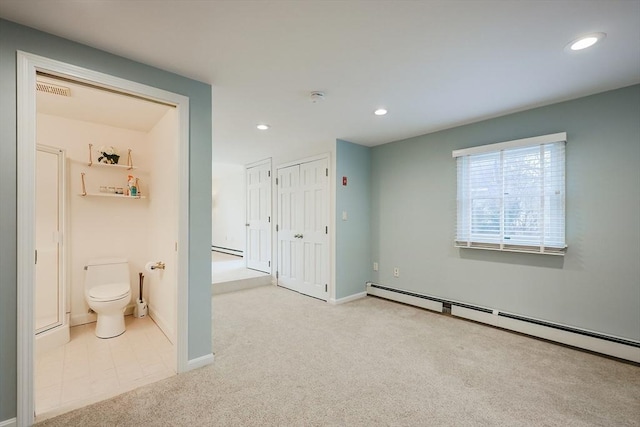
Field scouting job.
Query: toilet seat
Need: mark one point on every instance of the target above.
(109, 292)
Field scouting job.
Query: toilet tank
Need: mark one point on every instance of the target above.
(104, 271)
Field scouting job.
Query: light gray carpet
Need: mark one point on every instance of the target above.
(283, 359)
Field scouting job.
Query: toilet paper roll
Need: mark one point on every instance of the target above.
(148, 267)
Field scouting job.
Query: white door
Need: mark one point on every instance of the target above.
(160, 290)
(288, 226)
(258, 250)
(303, 218)
(49, 286)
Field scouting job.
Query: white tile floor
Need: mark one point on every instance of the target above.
(89, 369)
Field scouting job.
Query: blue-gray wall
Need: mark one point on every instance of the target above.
(15, 37)
(353, 236)
(595, 286)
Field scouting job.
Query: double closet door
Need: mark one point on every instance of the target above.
(302, 227)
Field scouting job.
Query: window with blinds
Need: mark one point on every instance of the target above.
(511, 195)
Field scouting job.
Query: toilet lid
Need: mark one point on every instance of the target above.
(109, 292)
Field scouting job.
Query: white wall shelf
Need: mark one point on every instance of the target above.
(106, 165)
(118, 196)
(127, 167)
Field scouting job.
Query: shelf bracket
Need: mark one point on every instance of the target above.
(84, 189)
(129, 160)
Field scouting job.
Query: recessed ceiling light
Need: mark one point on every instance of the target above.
(380, 112)
(262, 127)
(585, 41)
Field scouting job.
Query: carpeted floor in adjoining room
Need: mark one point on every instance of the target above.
(283, 359)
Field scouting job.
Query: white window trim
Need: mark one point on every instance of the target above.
(525, 142)
(499, 147)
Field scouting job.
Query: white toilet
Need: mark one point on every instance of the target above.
(107, 290)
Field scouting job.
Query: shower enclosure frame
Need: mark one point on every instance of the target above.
(62, 246)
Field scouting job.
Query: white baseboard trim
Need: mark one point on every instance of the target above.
(581, 338)
(610, 348)
(586, 342)
(475, 315)
(9, 423)
(199, 362)
(347, 299)
(405, 299)
(162, 324)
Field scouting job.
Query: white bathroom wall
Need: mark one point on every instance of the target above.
(99, 227)
(228, 206)
(160, 286)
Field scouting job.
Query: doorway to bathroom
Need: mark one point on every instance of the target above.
(103, 217)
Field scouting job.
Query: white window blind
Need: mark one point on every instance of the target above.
(511, 195)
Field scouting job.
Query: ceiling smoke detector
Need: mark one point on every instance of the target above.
(316, 96)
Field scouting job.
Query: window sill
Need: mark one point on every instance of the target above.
(512, 248)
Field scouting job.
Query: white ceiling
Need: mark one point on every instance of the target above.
(433, 64)
(100, 106)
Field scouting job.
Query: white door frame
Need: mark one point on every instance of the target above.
(27, 66)
(270, 200)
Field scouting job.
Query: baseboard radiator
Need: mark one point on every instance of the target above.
(229, 251)
(594, 341)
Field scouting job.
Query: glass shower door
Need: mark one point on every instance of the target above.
(49, 297)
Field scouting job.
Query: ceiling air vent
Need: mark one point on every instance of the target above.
(53, 89)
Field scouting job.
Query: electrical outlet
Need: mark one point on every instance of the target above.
(396, 271)
(375, 266)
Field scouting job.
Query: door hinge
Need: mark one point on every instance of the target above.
(175, 246)
(326, 229)
(269, 263)
(277, 274)
(269, 174)
(36, 257)
(276, 181)
(276, 227)
(269, 219)
(326, 287)
(327, 172)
